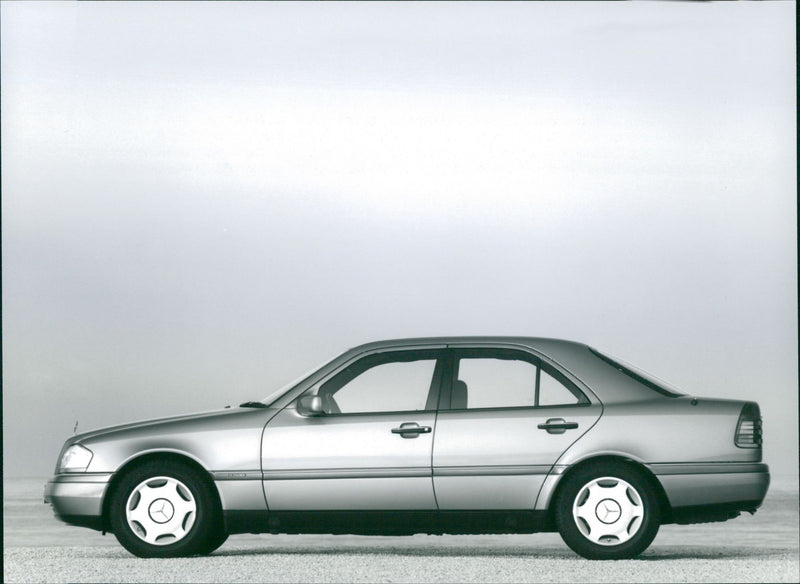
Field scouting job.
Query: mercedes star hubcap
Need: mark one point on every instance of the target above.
(608, 511)
(161, 510)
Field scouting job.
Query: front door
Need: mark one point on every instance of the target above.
(506, 416)
(370, 449)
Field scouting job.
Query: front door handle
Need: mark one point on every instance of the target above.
(557, 426)
(411, 430)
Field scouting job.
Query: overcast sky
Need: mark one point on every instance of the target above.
(202, 201)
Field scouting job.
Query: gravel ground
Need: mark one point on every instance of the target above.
(759, 548)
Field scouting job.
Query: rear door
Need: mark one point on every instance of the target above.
(370, 450)
(505, 417)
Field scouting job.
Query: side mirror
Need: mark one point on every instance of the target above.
(309, 405)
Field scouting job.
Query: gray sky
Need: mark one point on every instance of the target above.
(202, 201)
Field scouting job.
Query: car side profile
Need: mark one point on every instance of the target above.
(431, 435)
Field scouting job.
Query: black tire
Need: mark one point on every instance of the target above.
(623, 506)
(217, 539)
(191, 511)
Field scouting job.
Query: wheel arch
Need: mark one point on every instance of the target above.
(155, 456)
(665, 509)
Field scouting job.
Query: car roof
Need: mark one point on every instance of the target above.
(528, 341)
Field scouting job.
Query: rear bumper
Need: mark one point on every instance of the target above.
(725, 486)
(77, 499)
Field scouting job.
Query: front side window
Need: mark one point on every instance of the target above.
(486, 378)
(397, 382)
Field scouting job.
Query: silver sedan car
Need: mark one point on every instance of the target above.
(436, 435)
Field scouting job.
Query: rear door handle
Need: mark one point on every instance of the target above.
(557, 426)
(411, 430)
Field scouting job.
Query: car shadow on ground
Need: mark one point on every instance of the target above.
(706, 553)
(431, 552)
(725, 553)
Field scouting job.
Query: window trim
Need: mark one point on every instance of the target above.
(436, 354)
(511, 354)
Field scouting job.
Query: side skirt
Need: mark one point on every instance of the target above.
(387, 522)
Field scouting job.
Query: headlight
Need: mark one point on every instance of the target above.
(75, 459)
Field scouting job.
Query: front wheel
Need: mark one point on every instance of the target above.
(607, 512)
(164, 510)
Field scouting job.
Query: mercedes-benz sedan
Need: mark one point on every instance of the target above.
(437, 435)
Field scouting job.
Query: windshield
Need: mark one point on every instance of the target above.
(279, 392)
(639, 375)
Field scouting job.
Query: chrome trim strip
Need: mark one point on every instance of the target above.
(354, 473)
(459, 471)
(659, 469)
(676, 468)
(82, 477)
(346, 473)
(236, 475)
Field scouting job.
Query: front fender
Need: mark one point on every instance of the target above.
(229, 442)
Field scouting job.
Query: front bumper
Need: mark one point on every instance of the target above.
(77, 498)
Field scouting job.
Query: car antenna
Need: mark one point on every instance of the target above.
(75, 429)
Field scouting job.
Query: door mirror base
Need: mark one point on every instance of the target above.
(310, 405)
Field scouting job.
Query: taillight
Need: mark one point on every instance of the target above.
(748, 430)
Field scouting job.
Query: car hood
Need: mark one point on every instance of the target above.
(198, 416)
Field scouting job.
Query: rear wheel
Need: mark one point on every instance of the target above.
(164, 510)
(217, 539)
(607, 512)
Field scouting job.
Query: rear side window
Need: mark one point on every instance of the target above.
(497, 383)
(484, 378)
(637, 374)
(552, 392)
